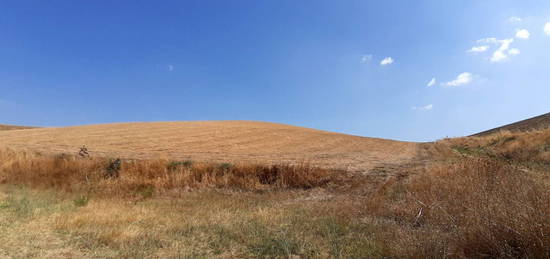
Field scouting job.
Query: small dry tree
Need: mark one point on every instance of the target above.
(84, 152)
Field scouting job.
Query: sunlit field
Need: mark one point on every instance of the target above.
(465, 197)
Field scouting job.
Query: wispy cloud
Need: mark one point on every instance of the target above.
(513, 52)
(366, 58)
(488, 41)
(501, 53)
(462, 79)
(386, 61)
(514, 19)
(479, 49)
(432, 82)
(523, 34)
(424, 108)
(547, 28)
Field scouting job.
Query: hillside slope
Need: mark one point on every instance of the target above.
(535, 123)
(232, 141)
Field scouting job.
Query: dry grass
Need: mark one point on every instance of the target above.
(146, 177)
(216, 141)
(530, 150)
(536, 123)
(480, 197)
(472, 208)
(483, 197)
(198, 225)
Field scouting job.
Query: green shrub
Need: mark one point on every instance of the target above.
(81, 201)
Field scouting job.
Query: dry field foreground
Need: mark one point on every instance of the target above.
(474, 197)
(217, 141)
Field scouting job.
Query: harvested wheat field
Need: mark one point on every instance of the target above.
(217, 141)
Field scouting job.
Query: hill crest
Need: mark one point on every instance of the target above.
(536, 123)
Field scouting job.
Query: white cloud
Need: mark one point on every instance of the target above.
(500, 54)
(424, 108)
(170, 68)
(523, 34)
(513, 52)
(503, 51)
(488, 41)
(479, 49)
(547, 28)
(386, 61)
(366, 58)
(514, 19)
(432, 82)
(462, 79)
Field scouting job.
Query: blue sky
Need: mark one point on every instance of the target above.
(357, 67)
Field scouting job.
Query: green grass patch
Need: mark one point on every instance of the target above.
(81, 201)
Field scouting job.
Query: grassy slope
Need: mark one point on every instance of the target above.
(535, 123)
(218, 141)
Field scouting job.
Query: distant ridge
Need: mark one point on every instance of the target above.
(12, 127)
(535, 123)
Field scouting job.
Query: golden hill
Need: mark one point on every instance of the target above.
(219, 141)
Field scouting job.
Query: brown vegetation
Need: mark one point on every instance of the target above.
(475, 197)
(525, 150)
(128, 178)
(470, 208)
